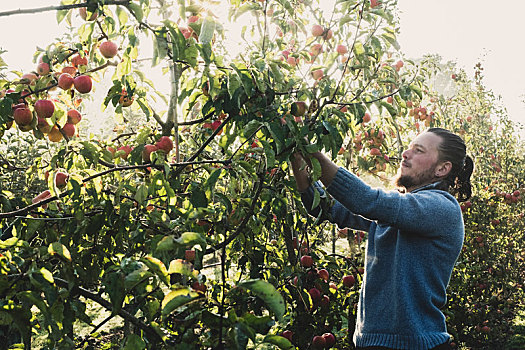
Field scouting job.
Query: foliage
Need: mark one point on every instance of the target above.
(139, 235)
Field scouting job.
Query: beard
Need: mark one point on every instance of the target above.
(413, 182)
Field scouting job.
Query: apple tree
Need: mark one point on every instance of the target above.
(181, 218)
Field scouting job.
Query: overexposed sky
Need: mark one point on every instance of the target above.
(471, 31)
(465, 31)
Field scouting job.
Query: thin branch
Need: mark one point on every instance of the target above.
(107, 305)
(59, 7)
(244, 221)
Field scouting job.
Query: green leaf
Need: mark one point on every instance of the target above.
(268, 294)
(61, 14)
(135, 277)
(182, 267)
(134, 342)
(359, 48)
(391, 38)
(251, 127)
(279, 341)
(207, 30)
(317, 199)
(417, 90)
(390, 108)
(167, 243)
(57, 248)
(189, 239)
(136, 10)
(316, 169)
(198, 198)
(212, 179)
(141, 194)
(177, 298)
(157, 267)
(312, 148)
(114, 286)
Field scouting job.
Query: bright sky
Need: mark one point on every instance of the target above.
(465, 31)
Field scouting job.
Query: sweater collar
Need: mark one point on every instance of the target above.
(428, 187)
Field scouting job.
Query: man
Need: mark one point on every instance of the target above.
(414, 238)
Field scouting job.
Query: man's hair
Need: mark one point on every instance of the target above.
(453, 149)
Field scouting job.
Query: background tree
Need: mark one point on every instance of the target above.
(197, 178)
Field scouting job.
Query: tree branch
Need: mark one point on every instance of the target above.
(241, 226)
(59, 7)
(106, 304)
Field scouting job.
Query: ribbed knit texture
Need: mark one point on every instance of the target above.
(413, 242)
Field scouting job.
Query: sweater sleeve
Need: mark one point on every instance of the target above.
(338, 214)
(422, 213)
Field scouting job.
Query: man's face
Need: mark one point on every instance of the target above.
(420, 161)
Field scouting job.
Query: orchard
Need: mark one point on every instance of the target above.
(181, 221)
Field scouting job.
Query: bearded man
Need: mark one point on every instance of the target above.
(414, 238)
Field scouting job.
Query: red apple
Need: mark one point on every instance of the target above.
(61, 179)
(325, 301)
(82, 11)
(124, 100)
(54, 135)
(317, 30)
(189, 255)
(299, 108)
(43, 125)
(375, 152)
(292, 61)
(200, 287)
(315, 294)
(324, 274)
(317, 74)
(42, 68)
(69, 130)
(44, 195)
(307, 261)
(73, 116)
(44, 108)
(287, 334)
(165, 144)
(28, 78)
(374, 3)
(318, 342)
(69, 70)
(329, 339)
(146, 152)
(341, 49)
(316, 49)
(108, 49)
(23, 116)
(78, 60)
(127, 150)
(349, 281)
(65, 81)
(193, 19)
(83, 84)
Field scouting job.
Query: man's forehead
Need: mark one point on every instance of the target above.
(427, 140)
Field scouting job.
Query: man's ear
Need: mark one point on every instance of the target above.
(443, 169)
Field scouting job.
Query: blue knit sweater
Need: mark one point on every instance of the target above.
(414, 240)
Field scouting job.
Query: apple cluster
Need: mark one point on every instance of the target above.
(34, 109)
(509, 197)
(420, 113)
(373, 140)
